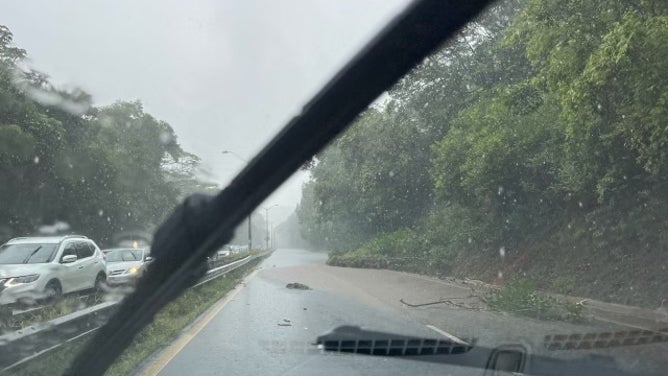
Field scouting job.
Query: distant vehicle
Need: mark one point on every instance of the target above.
(215, 259)
(126, 265)
(44, 268)
(224, 253)
(237, 248)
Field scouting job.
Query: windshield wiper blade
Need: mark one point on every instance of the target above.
(202, 224)
(25, 261)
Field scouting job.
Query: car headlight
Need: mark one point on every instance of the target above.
(133, 270)
(21, 280)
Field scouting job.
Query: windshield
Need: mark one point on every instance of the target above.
(34, 253)
(124, 255)
(505, 199)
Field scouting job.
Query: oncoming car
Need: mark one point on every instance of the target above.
(42, 268)
(126, 265)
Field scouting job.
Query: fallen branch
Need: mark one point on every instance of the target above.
(447, 301)
(423, 304)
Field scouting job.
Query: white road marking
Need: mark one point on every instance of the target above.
(447, 335)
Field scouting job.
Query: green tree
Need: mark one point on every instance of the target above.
(101, 170)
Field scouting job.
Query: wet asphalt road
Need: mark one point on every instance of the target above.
(268, 329)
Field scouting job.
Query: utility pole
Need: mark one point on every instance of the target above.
(266, 217)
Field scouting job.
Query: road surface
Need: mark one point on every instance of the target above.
(263, 328)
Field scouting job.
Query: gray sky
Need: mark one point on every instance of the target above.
(224, 74)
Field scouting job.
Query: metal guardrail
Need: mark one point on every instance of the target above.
(28, 343)
(221, 270)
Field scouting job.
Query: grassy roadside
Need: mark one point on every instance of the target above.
(167, 326)
(518, 296)
(593, 255)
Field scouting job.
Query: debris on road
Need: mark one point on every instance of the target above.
(286, 320)
(475, 282)
(284, 324)
(297, 286)
(449, 301)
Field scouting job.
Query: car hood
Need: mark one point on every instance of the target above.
(122, 265)
(17, 270)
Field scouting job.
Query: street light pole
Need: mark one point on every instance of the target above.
(250, 235)
(266, 217)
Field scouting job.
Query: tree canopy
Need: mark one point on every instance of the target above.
(100, 170)
(543, 124)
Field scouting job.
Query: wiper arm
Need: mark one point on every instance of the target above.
(31, 255)
(202, 224)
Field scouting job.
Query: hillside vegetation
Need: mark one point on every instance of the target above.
(533, 145)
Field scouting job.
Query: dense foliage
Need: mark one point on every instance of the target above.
(534, 142)
(100, 171)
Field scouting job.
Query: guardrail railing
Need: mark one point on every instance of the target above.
(33, 341)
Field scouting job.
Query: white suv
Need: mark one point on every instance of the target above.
(37, 268)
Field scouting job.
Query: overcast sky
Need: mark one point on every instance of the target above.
(227, 75)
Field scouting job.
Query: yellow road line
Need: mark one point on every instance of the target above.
(175, 347)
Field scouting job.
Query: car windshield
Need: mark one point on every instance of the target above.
(27, 253)
(118, 255)
(500, 202)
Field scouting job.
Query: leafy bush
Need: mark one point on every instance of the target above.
(520, 297)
